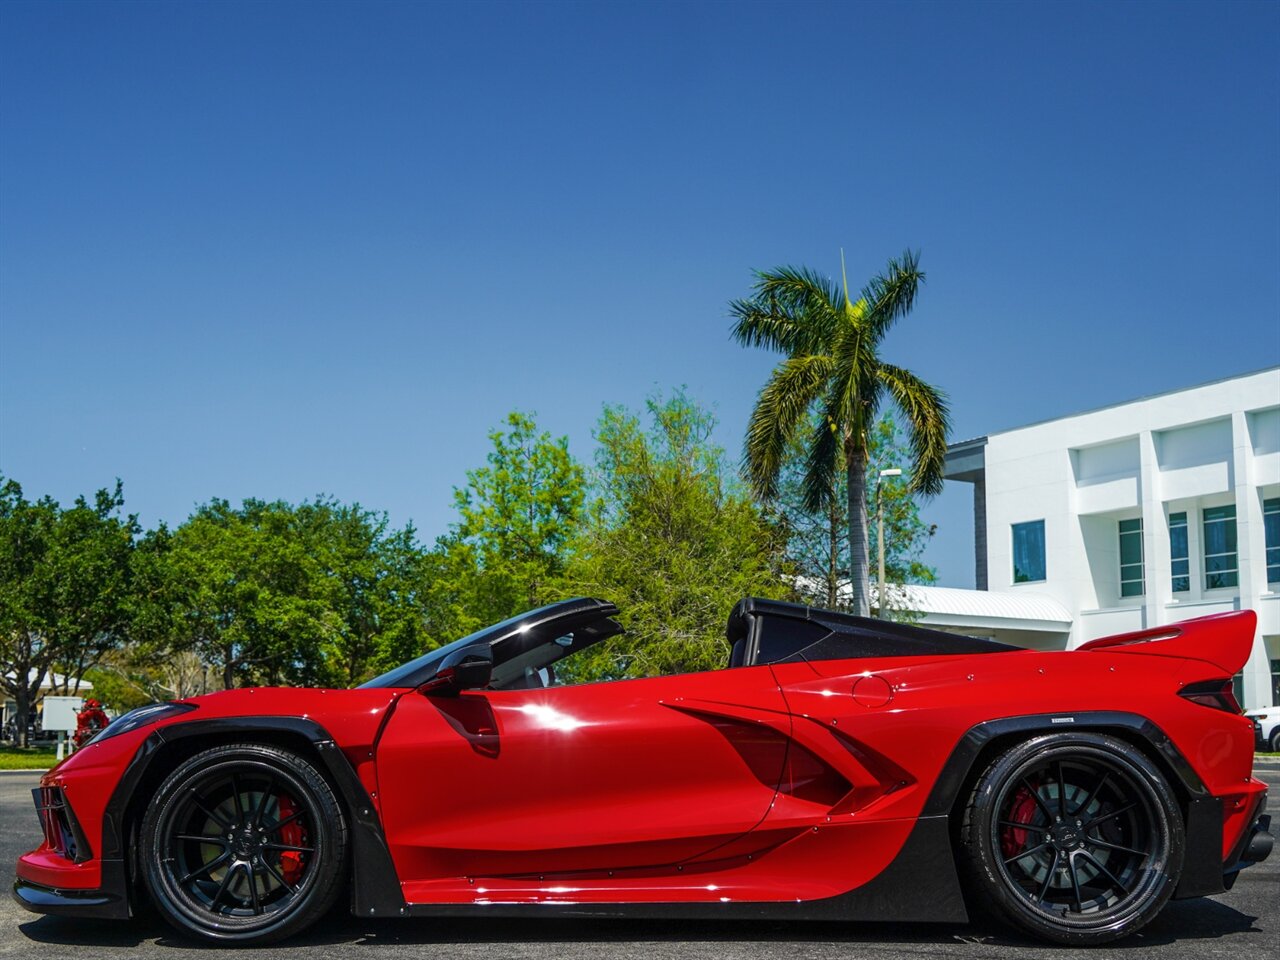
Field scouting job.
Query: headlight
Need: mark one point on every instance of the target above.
(140, 717)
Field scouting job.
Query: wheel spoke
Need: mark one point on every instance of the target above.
(1110, 876)
(1035, 795)
(211, 814)
(253, 889)
(285, 822)
(203, 838)
(205, 868)
(235, 793)
(1023, 826)
(278, 875)
(1093, 794)
(1048, 878)
(291, 848)
(1108, 845)
(262, 802)
(222, 887)
(1075, 882)
(1107, 816)
(1062, 791)
(1027, 853)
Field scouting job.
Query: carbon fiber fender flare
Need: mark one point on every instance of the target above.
(375, 888)
(959, 766)
(1202, 870)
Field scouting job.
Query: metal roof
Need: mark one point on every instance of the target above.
(1027, 611)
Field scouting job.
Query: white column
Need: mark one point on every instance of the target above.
(1155, 534)
(1251, 553)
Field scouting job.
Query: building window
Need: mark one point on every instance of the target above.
(1028, 551)
(1220, 565)
(1271, 531)
(1179, 553)
(1131, 558)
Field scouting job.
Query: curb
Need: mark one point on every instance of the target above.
(35, 770)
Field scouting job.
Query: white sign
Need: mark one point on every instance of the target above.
(59, 713)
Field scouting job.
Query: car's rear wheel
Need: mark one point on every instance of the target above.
(243, 844)
(1074, 838)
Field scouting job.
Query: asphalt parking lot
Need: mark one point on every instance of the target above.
(1240, 924)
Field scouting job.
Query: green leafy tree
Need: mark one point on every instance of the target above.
(673, 539)
(370, 581)
(817, 545)
(518, 514)
(242, 589)
(833, 364)
(64, 584)
(121, 682)
(317, 593)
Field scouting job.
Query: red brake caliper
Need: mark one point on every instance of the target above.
(290, 835)
(1022, 810)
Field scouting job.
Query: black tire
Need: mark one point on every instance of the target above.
(1274, 743)
(1075, 838)
(244, 844)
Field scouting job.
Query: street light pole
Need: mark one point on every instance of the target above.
(880, 589)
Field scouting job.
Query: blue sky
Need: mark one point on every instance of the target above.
(274, 250)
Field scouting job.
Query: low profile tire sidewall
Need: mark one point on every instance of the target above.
(328, 838)
(1159, 799)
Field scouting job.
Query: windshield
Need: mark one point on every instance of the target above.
(398, 677)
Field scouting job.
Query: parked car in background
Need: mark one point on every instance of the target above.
(1266, 728)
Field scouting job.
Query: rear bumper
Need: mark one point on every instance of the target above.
(1255, 846)
(107, 902)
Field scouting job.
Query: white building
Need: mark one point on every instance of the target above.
(1134, 515)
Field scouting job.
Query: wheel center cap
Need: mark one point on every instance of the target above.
(1068, 836)
(246, 844)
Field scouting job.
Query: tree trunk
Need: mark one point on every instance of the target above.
(856, 459)
(833, 556)
(22, 703)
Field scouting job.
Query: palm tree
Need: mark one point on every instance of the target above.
(832, 363)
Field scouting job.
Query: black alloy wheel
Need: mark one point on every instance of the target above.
(1076, 838)
(245, 844)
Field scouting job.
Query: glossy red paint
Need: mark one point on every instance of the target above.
(796, 781)
(623, 775)
(89, 776)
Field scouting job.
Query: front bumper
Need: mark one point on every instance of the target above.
(62, 876)
(107, 902)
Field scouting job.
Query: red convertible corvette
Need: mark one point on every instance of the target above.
(836, 768)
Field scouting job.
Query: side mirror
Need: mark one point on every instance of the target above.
(467, 669)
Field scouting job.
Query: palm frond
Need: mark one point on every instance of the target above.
(928, 423)
(779, 410)
(890, 295)
(793, 310)
(823, 458)
(764, 323)
(799, 288)
(858, 390)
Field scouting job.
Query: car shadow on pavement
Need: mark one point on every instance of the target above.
(1182, 921)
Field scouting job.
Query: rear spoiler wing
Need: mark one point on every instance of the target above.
(1222, 639)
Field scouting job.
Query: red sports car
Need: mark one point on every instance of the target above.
(836, 768)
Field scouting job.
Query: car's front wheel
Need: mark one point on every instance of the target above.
(1275, 740)
(243, 844)
(1074, 838)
